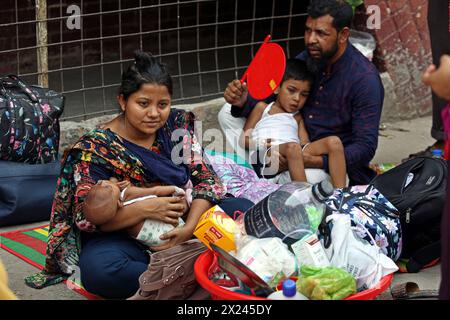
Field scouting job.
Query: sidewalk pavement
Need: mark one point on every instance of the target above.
(395, 143)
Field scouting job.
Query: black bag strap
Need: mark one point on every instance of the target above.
(325, 229)
(370, 204)
(424, 256)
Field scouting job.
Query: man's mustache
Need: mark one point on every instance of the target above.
(313, 47)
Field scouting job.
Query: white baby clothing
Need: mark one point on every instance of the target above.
(280, 128)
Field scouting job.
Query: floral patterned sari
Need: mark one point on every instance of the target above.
(106, 149)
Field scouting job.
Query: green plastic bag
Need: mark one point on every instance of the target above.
(328, 283)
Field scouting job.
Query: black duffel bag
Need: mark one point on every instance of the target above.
(29, 121)
(27, 191)
(417, 188)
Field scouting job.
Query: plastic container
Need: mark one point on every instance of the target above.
(205, 260)
(383, 167)
(364, 42)
(288, 292)
(290, 213)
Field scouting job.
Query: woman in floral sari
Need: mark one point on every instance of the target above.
(148, 144)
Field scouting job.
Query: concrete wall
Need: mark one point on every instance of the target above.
(403, 53)
(403, 50)
(206, 112)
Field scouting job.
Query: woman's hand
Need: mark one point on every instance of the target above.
(175, 236)
(184, 233)
(160, 191)
(165, 209)
(163, 191)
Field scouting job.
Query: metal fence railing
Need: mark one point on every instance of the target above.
(205, 43)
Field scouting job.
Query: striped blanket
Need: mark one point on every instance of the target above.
(30, 245)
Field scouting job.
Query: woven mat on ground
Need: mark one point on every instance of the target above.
(29, 245)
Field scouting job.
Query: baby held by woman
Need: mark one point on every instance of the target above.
(107, 196)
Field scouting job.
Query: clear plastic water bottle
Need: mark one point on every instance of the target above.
(292, 212)
(288, 292)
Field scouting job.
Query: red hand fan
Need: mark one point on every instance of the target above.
(265, 72)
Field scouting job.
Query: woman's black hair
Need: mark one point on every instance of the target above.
(340, 10)
(145, 69)
(297, 70)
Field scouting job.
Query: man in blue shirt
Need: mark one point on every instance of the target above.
(346, 99)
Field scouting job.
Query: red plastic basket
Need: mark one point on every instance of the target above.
(218, 293)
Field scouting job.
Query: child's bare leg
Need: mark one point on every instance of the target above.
(294, 156)
(332, 146)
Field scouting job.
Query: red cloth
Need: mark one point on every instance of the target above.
(444, 293)
(445, 114)
(446, 121)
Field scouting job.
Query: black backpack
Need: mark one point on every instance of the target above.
(417, 188)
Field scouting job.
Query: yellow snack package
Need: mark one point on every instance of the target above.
(215, 226)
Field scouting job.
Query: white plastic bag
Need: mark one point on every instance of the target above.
(269, 258)
(363, 260)
(364, 42)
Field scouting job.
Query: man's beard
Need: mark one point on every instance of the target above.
(317, 65)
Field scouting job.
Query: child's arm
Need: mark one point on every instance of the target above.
(302, 133)
(246, 137)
